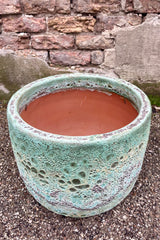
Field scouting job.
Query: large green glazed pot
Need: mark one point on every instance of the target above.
(79, 176)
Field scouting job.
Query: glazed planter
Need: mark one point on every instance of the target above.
(79, 176)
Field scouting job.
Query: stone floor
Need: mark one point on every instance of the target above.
(136, 218)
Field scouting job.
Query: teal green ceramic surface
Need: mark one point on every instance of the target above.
(84, 175)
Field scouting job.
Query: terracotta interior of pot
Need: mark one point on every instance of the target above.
(79, 110)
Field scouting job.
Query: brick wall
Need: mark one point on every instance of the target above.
(70, 32)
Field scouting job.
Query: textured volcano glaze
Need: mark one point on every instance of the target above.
(79, 176)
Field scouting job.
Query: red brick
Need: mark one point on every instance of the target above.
(52, 41)
(14, 41)
(63, 6)
(10, 7)
(96, 57)
(24, 24)
(38, 6)
(70, 57)
(92, 6)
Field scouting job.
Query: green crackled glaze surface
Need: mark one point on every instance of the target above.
(79, 176)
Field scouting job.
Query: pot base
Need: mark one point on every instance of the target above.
(76, 212)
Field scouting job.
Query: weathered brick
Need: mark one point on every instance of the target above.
(106, 22)
(38, 6)
(63, 6)
(52, 41)
(72, 24)
(92, 6)
(24, 24)
(134, 19)
(149, 6)
(70, 57)
(14, 41)
(10, 7)
(143, 6)
(91, 41)
(96, 57)
(109, 58)
(32, 53)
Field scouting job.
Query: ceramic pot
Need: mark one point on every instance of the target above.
(79, 176)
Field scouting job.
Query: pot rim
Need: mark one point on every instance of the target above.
(13, 111)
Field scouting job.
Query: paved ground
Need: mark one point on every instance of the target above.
(136, 218)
